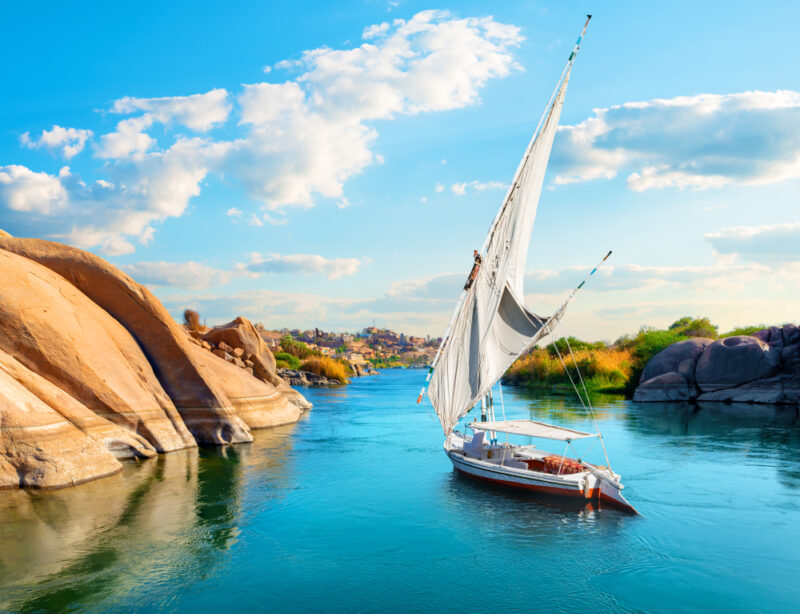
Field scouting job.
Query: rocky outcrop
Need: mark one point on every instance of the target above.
(258, 403)
(306, 378)
(734, 361)
(53, 329)
(669, 386)
(759, 368)
(205, 410)
(93, 369)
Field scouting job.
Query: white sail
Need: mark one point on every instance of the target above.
(492, 326)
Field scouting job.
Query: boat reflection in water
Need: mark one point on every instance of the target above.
(165, 522)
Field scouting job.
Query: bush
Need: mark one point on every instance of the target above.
(191, 320)
(292, 362)
(695, 327)
(744, 330)
(297, 348)
(281, 364)
(332, 368)
(601, 369)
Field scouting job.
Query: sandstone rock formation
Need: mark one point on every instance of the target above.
(93, 369)
(760, 368)
(205, 410)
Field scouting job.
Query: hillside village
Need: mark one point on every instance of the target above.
(377, 347)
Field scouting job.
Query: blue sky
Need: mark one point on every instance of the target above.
(313, 165)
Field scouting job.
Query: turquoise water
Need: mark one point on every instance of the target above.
(356, 509)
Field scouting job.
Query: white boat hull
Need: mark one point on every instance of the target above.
(595, 484)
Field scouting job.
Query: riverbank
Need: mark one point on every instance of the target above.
(614, 368)
(93, 369)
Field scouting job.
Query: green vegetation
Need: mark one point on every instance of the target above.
(603, 369)
(614, 367)
(291, 361)
(298, 356)
(297, 348)
(744, 330)
(332, 368)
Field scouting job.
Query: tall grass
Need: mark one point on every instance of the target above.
(332, 368)
(602, 369)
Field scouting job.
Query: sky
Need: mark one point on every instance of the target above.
(334, 164)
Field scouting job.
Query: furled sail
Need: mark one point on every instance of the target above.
(492, 327)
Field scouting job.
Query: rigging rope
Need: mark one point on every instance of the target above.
(588, 402)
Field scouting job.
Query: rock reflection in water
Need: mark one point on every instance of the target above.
(755, 431)
(166, 522)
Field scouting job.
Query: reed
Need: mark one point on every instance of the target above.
(332, 368)
(602, 369)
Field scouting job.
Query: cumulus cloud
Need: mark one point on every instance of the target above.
(106, 214)
(687, 142)
(309, 135)
(460, 189)
(296, 140)
(69, 141)
(22, 189)
(198, 112)
(765, 244)
(189, 275)
(305, 264)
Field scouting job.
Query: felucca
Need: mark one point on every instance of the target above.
(491, 328)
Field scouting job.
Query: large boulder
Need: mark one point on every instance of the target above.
(202, 404)
(734, 361)
(241, 334)
(55, 331)
(258, 403)
(40, 448)
(669, 386)
(121, 442)
(769, 390)
(679, 357)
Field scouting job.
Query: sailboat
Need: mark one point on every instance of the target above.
(490, 328)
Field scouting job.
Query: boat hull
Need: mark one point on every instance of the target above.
(590, 487)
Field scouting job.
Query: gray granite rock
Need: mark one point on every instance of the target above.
(768, 390)
(670, 386)
(735, 361)
(791, 335)
(679, 357)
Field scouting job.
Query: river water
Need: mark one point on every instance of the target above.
(356, 509)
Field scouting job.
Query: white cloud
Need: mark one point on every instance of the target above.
(306, 264)
(439, 187)
(460, 189)
(106, 214)
(70, 141)
(129, 140)
(234, 212)
(189, 275)
(688, 142)
(254, 220)
(308, 136)
(198, 112)
(22, 189)
(766, 244)
(296, 141)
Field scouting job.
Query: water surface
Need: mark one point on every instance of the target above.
(356, 509)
